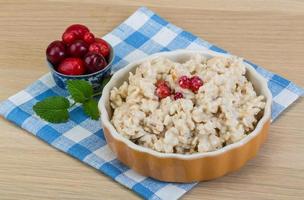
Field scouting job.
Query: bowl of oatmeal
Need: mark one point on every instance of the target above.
(185, 115)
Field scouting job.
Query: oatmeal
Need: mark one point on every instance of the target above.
(197, 106)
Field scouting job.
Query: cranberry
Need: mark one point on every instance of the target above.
(68, 37)
(74, 32)
(100, 46)
(178, 95)
(56, 52)
(196, 83)
(78, 49)
(78, 29)
(184, 82)
(94, 62)
(89, 38)
(162, 89)
(71, 66)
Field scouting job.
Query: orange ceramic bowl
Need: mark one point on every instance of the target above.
(179, 167)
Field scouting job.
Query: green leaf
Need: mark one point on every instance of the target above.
(91, 109)
(80, 90)
(53, 109)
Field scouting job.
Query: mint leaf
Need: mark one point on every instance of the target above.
(80, 90)
(91, 109)
(53, 109)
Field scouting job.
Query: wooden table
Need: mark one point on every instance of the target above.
(270, 33)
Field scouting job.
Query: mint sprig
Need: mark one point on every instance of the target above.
(55, 109)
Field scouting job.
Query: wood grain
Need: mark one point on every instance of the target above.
(270, 33)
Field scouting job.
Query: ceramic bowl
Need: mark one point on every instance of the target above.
(94, 78)
(179, 167)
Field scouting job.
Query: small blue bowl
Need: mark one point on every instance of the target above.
(94, 78)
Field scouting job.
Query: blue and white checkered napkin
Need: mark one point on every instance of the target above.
(142, 34)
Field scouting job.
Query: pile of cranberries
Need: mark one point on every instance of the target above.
(163, 89)
(79, 52)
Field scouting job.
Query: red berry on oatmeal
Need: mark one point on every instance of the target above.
(196, 83)
(184, 82)
(162, 89)
(178, 95)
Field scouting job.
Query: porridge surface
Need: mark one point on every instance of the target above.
(197, 106)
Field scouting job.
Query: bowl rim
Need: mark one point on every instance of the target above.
(111, 59)
(125, 70)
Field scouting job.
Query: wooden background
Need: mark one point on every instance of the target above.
(270, 33)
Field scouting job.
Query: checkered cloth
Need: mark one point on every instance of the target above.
(142, 34)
